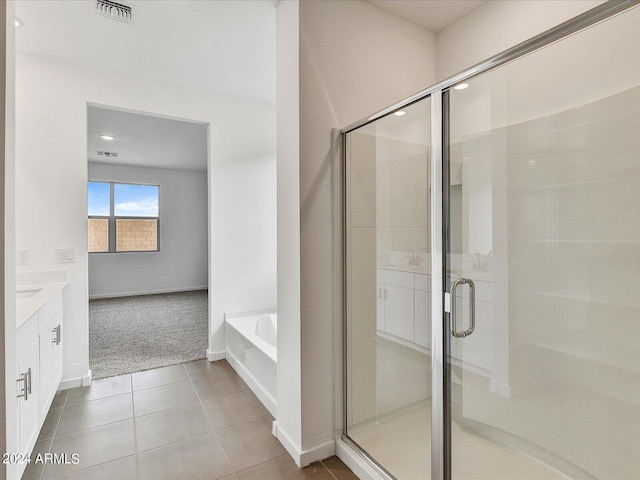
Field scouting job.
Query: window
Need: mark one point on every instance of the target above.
(123, 217)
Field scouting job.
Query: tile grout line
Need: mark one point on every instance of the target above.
(74, 472)
(85, 429)
(57, 434)
(137, 451)
(191, 377)
(209, 420)
(134, 415)
(135, 431)
(143, 452)
(328, 469)
(55, 430)
(232, 426)
(261, 463)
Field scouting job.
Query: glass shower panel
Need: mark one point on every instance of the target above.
(545, 220)
(388, 290)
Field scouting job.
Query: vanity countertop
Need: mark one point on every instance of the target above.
(476, 275)
(421, 269)
(34, 289)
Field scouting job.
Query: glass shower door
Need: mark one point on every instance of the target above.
(543, 262)
(388, 398)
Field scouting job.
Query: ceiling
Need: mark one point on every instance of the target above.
(146, 140)
(220, 46)
(225, 47)
(433, 15)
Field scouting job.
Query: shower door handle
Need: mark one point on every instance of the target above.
(472, 308)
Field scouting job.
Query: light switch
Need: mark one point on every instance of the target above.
(66, 255)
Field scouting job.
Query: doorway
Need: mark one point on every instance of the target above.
(147, 241)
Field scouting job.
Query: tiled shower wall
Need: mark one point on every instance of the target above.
(402, 214)
(573, 229)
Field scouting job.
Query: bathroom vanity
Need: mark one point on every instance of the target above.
(404, 313)
(38, 352)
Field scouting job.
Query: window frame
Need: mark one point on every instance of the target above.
(112, 218)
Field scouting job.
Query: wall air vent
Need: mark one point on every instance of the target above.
(107, 154)
(117, 11)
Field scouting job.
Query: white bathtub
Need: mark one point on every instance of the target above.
(251, 345)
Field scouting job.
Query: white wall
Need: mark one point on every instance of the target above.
(181, 263)
(51, 176)
(8, 420)
(288, 124)
(498, 25)
(354, 59)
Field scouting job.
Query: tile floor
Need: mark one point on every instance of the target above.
(191, 421)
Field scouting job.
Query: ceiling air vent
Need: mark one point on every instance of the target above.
(117, 11)
(107, 154)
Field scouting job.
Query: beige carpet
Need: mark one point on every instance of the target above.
(131, 334)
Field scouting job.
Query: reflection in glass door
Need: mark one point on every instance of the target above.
(544, 217)
(388, 261)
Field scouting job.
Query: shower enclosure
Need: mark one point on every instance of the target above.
(492, 262)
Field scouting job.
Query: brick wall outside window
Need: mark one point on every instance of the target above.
(98, 235)
(136, 235)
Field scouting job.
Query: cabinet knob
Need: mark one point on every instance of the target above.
(26, 384)
(56, 332)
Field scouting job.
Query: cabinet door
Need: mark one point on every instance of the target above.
(399, 312)
(423, 318)
(29, 409)
(50, 363)
(380, 307)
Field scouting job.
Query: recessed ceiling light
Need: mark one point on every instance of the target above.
(461, 86)
(19, 22)
(107, 137)
(400, 113)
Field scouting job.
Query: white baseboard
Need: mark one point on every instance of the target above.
(355, 462)
(303, 457)
(287, 443)
(215, 356)
(83, 381)
(145, 292)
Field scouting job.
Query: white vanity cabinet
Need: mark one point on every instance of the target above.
(380, 320)
(38, 370)
(28, 407)
(422, 310)
(404, 316)
(399, 312)
(50, 361)
(395, 303)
